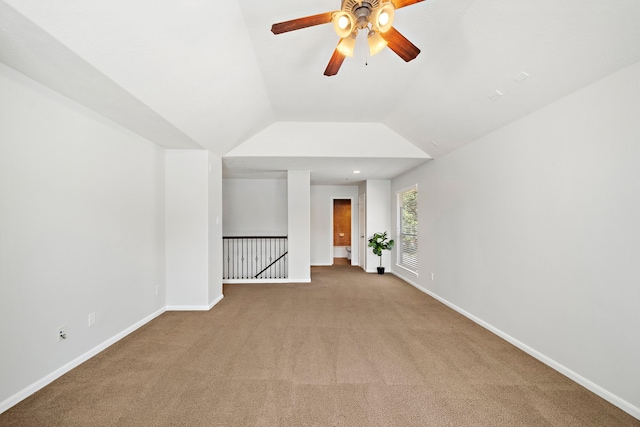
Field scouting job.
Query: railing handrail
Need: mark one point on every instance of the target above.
(254, 237)
(270, 265)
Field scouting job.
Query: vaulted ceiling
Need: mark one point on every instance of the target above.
(210, 74)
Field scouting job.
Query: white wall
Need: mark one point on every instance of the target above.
(255, 207)
(299, 202)
(322, 196)
(82, 231)
(187, 229)
(378, 201)
(341, 252)
(534, 231)
(215, 229)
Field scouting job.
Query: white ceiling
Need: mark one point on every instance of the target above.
(204, 73)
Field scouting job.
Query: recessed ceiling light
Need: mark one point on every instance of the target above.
(356, 171)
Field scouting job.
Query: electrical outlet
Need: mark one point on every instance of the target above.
(62, 333)
(92, 319)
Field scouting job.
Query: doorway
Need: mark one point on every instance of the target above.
(342, 231)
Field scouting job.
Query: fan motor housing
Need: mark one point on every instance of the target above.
(352, 5)
(361, 10)
(362, 14)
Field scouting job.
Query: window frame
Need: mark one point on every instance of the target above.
(400, 246)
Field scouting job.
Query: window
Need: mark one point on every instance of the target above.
(408, 228)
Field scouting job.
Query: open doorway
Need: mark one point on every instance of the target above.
(342, 231)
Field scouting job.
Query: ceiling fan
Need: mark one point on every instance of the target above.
(373, 16)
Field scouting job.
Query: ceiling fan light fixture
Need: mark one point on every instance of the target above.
(376, 17)
(347, 45)
(376, 43)
(343, 24)
(383, 17)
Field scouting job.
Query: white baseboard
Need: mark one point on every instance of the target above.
(632, 410)
(28, 391)
(187, 308)
(215, 301)
(195, 307)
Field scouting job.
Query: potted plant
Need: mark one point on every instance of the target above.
(380, 242)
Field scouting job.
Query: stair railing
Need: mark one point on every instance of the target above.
(255, 257)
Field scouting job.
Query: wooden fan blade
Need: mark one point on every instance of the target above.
(403, 3)
(296, 24)
(334, 63)
(400, 45)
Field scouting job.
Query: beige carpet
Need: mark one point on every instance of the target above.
(350, 349)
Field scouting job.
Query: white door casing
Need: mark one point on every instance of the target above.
(362, 232)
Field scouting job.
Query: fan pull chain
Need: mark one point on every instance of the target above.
(366, 58)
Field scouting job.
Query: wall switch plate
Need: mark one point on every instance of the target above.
(157, 290)
(62, 333)
(432, 276)
(92, 319)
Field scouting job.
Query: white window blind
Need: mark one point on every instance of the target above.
(408, 229)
